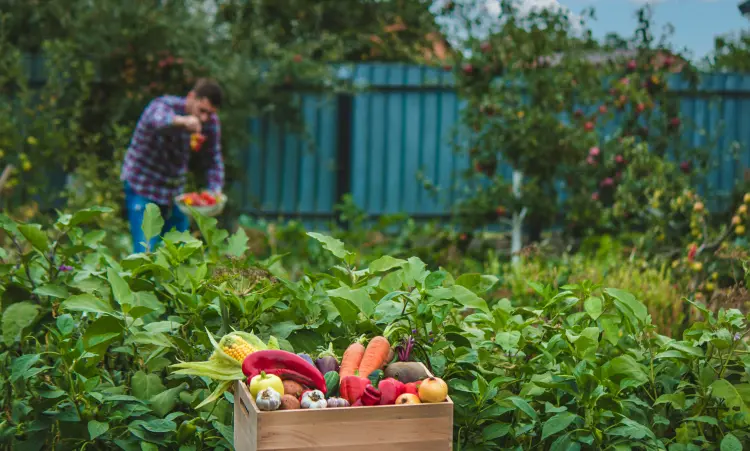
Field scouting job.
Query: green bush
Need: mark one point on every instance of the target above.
(88, 340)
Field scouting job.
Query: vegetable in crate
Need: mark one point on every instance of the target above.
(413, 388)
(314, 399)
(286, 365)
(289, 402)
(293, 388)
(406, 371)
(390, 390)
(375, 377)
(408, 398)
(433, 389)
(376, 354)
(332, 382)
(351, 359)
(307, 358)
(337, 402)
(268, 400)
(263, 381)
(371, 396)
(327, 360)
(352, 388)
(236, 347)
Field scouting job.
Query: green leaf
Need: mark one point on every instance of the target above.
(704, 419)
(611, 326)
(52, 290)
(594, 307)
(386, 263)
(686, 348)
(495, 431)
(151, 339)
(120, 289)
(730, 443)
(153, 223)
(524, 406)
(86, 303)
(35, 235)
(624, 298)
(86, 215)
(676, 399)
(631, 429)
(164, 402)
(508, 340)
(97, 428)
(16, 318)
(65, 324)
(724, 389)
(333, 245)
(146, 386)
(237, 243)
(557, 424)
(359, 297)
(626, 366)
(468, 299)
(434, 280)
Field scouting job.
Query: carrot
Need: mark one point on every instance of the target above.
(351, 359)
(375, 354)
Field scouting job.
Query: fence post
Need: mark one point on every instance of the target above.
(344, 121)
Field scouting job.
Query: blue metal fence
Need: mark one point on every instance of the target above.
(373, 144)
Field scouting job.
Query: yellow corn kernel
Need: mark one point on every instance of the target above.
(237, 348)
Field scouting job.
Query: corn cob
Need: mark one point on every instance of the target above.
(236, 347)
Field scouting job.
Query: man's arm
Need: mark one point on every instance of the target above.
(215, 171)
(159, 115)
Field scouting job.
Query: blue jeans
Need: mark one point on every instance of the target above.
(136, 206)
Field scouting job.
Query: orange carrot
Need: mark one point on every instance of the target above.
(351, 358)
(375, 354)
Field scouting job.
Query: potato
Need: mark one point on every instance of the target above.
(406, 371)
(289, 402)
(293, 388)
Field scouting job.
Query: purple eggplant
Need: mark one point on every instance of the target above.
(307, 357)
(327, 360)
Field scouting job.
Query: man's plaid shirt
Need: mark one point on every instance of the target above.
(156, 162)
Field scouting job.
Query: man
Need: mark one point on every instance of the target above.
(156, 163)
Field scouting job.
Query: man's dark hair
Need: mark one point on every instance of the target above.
(209, 89)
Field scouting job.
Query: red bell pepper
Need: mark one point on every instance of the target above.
(352, 388)
(371, 396)
(390, 389)
(286, 365)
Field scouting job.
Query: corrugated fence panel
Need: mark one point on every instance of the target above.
(286, 174)
(402, 127)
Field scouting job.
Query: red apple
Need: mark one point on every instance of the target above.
(486, 47)
(468, 69)
(619, 159)
(632, 65)
(588, 126)
(603, 109)
(640, 108)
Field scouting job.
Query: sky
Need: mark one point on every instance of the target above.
(695, 22)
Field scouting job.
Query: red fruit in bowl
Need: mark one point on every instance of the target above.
(208, 198)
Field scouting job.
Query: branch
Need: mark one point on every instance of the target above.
(5, 176)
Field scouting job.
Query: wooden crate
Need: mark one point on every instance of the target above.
(419, 427)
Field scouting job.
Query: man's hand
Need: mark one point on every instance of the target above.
(189, 123)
